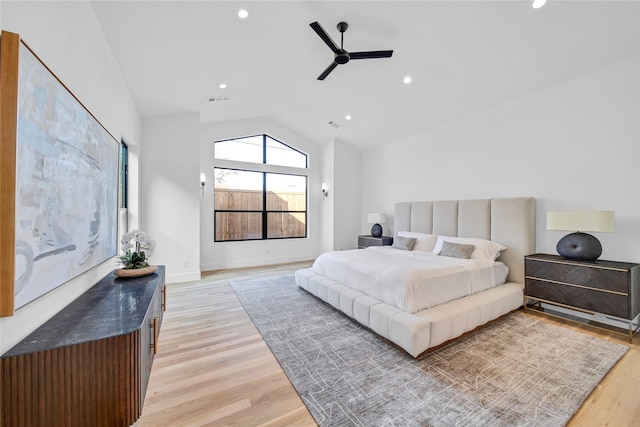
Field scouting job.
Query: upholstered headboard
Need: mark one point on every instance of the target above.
(509, 221)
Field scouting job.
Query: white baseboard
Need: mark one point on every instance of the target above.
(255, 262)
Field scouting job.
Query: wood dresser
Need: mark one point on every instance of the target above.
(599, 287)
(89, 365)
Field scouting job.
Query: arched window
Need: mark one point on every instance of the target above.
(260, 190)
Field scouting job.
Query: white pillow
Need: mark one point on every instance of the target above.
(484, 249)
(424, 242)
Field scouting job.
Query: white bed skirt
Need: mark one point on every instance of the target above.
(416, 332)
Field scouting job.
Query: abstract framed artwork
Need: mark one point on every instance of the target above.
(65, 179)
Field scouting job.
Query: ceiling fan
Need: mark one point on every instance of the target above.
(341, 55)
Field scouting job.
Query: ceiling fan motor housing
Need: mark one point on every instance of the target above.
(342, 57)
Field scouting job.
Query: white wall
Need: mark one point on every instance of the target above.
(572, 147)
(346, 194)
(220, 255)
(170, 188)
(341, 208)
(328, 203)
(67, 38)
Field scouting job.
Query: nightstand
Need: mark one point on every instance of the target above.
(599, 287)
(366, 241)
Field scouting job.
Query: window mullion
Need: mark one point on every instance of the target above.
(264, 205)
(264, 149)
(264, 188)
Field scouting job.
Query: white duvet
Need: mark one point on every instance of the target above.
(409, 280)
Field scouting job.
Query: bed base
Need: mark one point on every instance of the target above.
(418, 332)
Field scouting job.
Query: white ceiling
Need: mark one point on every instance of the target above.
(464, 57)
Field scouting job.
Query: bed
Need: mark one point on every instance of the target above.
(459, 301)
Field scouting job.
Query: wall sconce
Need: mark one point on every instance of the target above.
(203, 181)
(579, 245)
(325, 193)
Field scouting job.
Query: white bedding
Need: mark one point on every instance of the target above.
(409, 280)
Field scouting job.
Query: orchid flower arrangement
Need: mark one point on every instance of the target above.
(137, 248)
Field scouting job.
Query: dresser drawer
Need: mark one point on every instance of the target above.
(573, 296)
(592, 277)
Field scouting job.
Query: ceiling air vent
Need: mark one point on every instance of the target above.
(336, 125)
(218, 98)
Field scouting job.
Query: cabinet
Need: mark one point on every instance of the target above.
(595, 287)
(89, 365)
(366, 241)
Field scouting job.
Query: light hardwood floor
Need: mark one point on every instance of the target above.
(214, 369)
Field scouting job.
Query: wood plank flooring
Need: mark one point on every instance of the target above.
(214, 369)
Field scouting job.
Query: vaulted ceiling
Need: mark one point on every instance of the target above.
(463, 56)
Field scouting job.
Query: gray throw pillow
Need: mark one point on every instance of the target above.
(456, 250)
(404, 243)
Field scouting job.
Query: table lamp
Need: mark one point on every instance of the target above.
(376, 219)
(579, 245)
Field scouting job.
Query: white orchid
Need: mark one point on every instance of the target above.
(137, 248)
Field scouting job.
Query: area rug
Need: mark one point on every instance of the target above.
(518, 371)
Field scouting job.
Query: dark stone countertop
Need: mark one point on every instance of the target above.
(113, 306)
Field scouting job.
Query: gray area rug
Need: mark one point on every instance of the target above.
(518, 371)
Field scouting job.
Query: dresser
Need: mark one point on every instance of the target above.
(89, 365)
(364, 241)
(599, 287)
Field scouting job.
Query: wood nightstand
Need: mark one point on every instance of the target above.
(597, 287)
(366, 241)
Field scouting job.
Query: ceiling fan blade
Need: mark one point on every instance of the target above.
(324, 36)
(326, 72)
(371, 54)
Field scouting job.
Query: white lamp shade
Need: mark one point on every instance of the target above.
(203, 178)
(594, 221)
(376, 218)
(537, 4)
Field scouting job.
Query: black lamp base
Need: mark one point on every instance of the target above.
(579, 246)
(376, 230)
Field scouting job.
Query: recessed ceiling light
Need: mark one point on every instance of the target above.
(223, 86)
(348, 117)
(242, 13)
(407, 80)
(537, 4)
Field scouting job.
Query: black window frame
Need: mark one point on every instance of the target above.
(264, 212)
(264, 149)
(124, 175)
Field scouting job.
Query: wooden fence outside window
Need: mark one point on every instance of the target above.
(286, 214)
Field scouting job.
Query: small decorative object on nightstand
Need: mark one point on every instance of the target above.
(599, 288)
(366, 241)
(376, 219)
